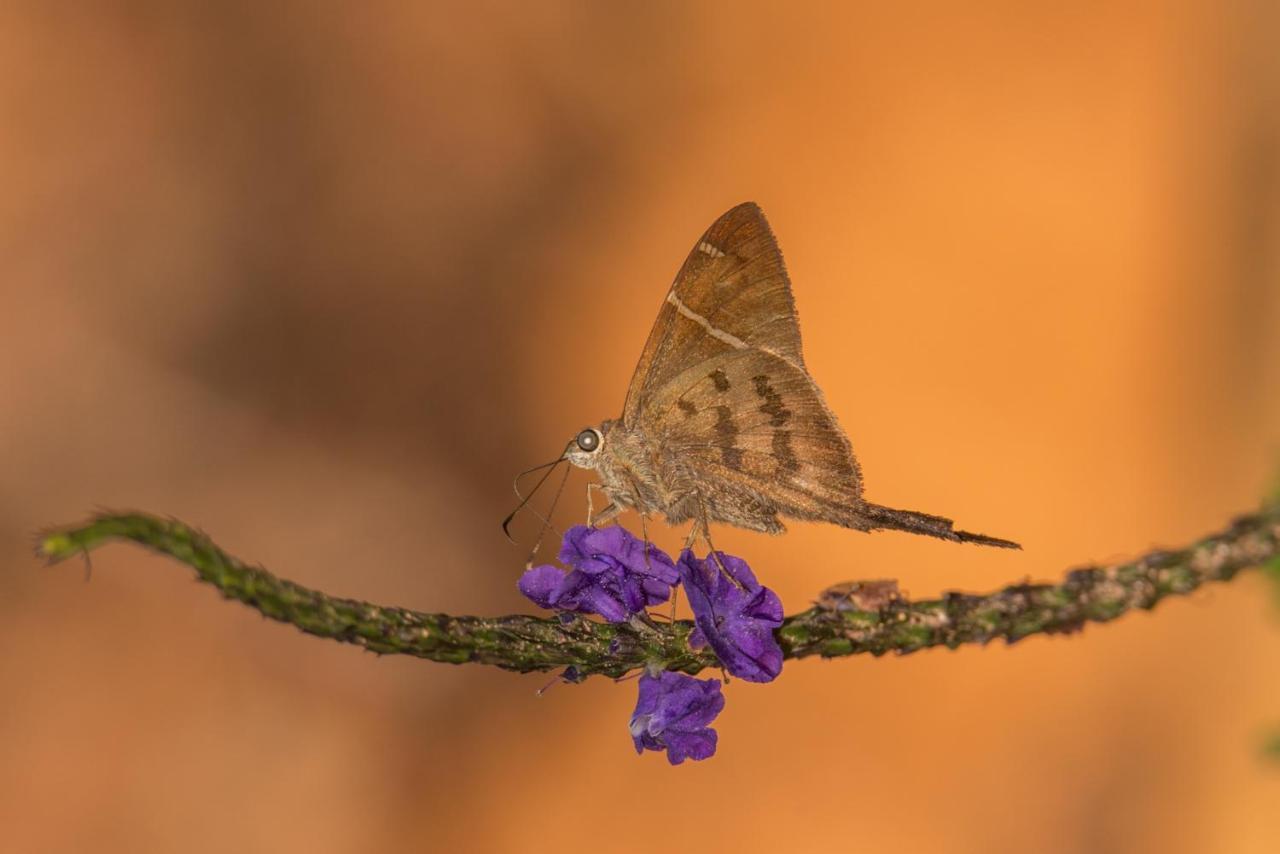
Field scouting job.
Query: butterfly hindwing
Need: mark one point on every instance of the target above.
(732, 293)
(751, 420)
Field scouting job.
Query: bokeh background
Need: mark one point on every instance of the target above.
(320, 278)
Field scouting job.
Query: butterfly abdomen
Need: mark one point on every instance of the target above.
(873, 516)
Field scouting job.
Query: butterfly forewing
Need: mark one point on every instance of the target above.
(731, 294)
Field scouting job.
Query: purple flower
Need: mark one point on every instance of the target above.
(673, 714)
(613, 574)
(737, 621)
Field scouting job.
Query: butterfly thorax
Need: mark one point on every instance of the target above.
(634, 473)
(628, 473)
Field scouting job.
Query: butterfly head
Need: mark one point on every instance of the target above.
(584, 449)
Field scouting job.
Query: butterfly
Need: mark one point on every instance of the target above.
(722, 422)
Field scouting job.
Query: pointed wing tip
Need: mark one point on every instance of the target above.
(743, 215)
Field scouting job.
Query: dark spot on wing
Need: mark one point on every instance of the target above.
(687, 408)
(772, 406)
(783, 452)
(721, 379)
(727, 438)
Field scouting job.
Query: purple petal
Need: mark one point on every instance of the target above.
(598, 600)
(655, 591)
(691, 745)
(640, 737)
(737, 623)
(650, 693)
(765, 606)
(592, 549)
(644, 559)
(692, 703)
(597, 550)
(631, 592)
(541, 584)
(580, 592)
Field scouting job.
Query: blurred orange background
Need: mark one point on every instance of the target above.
(320, 278)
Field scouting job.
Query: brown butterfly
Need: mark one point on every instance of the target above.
(722, 422)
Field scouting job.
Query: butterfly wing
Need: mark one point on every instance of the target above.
(732, 293)
(751, 425)
(726, 411)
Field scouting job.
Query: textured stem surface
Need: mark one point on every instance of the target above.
(584, 647)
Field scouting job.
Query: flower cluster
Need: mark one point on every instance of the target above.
(617, 576)
(673, 713)
(614, 575)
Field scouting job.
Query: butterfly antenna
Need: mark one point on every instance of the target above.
(546, 520)
(524, 500)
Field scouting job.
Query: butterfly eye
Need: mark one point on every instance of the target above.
(588, 440)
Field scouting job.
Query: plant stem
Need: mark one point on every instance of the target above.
(584, 647)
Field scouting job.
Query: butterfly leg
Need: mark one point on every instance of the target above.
(701, 527)
(610, 511)
(715, 555)
(675, 591)
(644, 520)
(648, 564)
